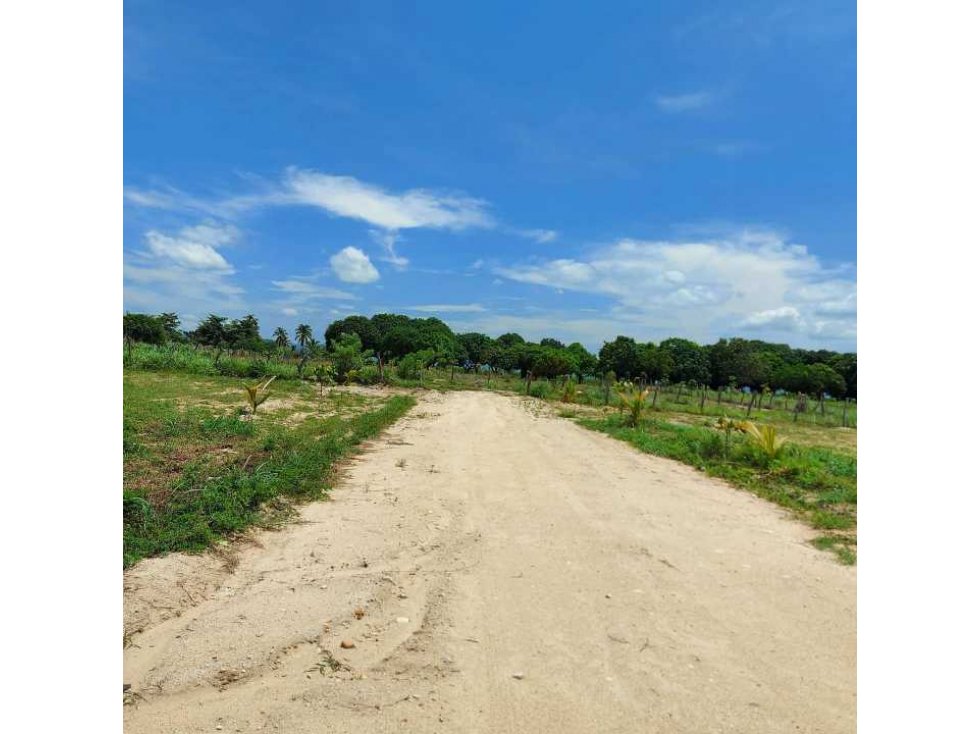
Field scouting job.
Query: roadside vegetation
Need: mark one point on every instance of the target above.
(777, 421)
(200, 463)
(817, 484)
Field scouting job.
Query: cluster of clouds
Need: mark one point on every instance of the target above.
(386, 213)
(751, 281)
(184, 267)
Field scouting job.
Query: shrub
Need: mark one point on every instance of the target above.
(410, 367)
(633, 401)
(710, 446)
(569, 393)
(539, 390)
(764, 439)
(366, 375)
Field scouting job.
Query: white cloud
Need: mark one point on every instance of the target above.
(387, 241)
(540, 236)
(783, 318)
(352, 265)
(290, 311)
(194, 247)
(684, 102)
(310, 290)
(342, 196)
(183, 271)
(158, 287)
(707, 289)
(448, 308)
(345, 196)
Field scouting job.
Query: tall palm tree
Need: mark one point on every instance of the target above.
(304, 335)
(281, 338)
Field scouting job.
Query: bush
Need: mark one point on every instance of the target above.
(410, 367)
(710, 446)
(540, 390)
(366, 375)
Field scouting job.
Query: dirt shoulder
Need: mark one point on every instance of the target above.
(500, 570)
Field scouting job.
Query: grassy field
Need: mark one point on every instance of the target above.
(196, 468)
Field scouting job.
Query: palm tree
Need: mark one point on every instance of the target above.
(304, 335)
(281, 338)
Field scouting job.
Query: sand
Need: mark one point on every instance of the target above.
(498, 569)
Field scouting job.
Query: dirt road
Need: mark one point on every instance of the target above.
(501, 571)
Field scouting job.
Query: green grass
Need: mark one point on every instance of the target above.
(194, 473)
(817, 484)
(201, 361)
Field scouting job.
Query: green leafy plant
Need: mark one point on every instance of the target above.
(258, 394)
(323, 376)
(569, 393)
(764, 438)
(633, 401)
(729, 425)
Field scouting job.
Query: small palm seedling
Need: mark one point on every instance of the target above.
(258, 394)
(765, 439)
(569, 393)
(322, 376)
(729, 426)
(633, 401)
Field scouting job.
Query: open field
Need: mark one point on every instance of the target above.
(815, 477)
(488, 566)
(197, 467)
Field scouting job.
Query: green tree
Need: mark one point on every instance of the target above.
(690, 361)
(655, 363)
(243, 334)
(584, 362)
(846, 366)
(347, 353)
(621, 357)
(827, 380)
(362, 326)
(548, 362)
(211, 332)
(741, 361)
(281, 338)
(304, 336)
(141, 327)
(509, 339)
(171, 326)
(476, 346)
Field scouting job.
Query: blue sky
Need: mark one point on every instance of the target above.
(557, 169)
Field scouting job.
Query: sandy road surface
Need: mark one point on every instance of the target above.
(516, 573)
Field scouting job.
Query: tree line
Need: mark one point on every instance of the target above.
(391, 338)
